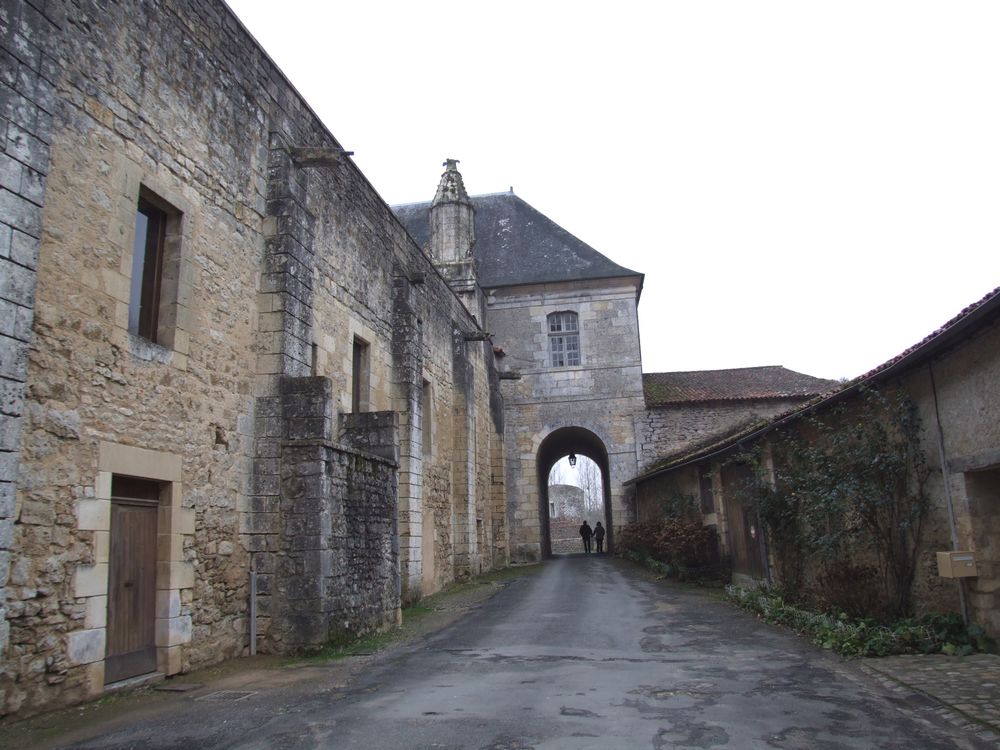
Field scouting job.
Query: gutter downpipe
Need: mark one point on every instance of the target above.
(949, 503)
(253, 607)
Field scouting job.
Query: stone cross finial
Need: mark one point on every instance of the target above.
(451, 165)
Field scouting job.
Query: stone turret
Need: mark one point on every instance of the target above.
(453, 236)
(452, 232)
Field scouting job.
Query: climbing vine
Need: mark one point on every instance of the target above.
(844, 489)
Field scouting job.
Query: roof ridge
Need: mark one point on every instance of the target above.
(727, 369)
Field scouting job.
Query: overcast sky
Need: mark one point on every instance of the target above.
(812, 184)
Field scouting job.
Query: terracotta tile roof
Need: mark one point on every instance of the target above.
(741, 384)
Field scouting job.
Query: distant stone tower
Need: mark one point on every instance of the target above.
(453, 237)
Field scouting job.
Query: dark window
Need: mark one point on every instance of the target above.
(359, 376)
(564, 339)
(426, 424)
(147, 270)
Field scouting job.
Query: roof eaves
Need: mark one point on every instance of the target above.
(947, 335)
(630, 275)
(734, 399)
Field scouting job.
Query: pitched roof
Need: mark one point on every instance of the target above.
(516, 244)
(958, 329)
(740, 384)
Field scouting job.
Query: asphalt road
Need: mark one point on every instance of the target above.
(588, 653)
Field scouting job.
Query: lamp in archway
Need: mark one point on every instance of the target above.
(572, 459)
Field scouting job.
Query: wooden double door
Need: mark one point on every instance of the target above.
(131, 634)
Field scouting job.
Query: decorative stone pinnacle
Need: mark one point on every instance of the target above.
(451, 189)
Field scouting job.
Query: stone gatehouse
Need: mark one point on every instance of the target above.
(224, 359)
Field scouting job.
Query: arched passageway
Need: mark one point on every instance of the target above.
(563, 442)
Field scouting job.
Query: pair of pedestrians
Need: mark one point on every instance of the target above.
(597, 533)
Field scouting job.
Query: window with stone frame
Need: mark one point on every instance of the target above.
(426, 420)
(360, 375)
(564, 339)
(155, 269)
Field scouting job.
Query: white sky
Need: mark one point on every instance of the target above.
(813, 184)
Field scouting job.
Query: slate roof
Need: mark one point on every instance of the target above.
(740, 384)
(969, 321)
(516, 244)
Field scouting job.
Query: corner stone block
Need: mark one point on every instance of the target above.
(96, 613)
(102, 488)
(173, 631)
(174, 575)
(91, 580)
(170, 547)
(168, 603)
(95, 679)
(170, 660)
(93, 515)
(85, 646)
(177, 519)
(102, 546)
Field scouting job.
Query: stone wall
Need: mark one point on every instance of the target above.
(600, 396)
(957, 394)
(665, 430)
(278, 256)
(28, 68)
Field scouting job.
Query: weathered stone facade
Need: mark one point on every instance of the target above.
(953, 378)
(664, 430)
(555, 402)
(351, 405)
(298, 403)
(27, 103)
(587, 409)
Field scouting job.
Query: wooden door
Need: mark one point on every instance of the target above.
(745, 535)
(131, 637)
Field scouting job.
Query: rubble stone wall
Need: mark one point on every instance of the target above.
(665, 430)
(278, 254)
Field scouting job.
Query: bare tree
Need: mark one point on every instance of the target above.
(559, 474)
(589, 478)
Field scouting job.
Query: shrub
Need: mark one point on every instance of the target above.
(681, 544)
(852, 589)
(933, 633)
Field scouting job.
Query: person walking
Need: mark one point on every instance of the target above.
(599, 537)
(586, 532)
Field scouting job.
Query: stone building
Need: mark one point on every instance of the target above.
(564, 320)
(246, 404)
(222, 357)
(953, 378)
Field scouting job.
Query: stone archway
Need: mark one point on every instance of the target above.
(561, 442)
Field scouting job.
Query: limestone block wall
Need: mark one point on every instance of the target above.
(602, 395)
(28, 70)
(103, 402)
(278, 256)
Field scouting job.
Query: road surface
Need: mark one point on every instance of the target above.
(588, 653)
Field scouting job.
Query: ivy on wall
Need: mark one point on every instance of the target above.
(846, 489)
